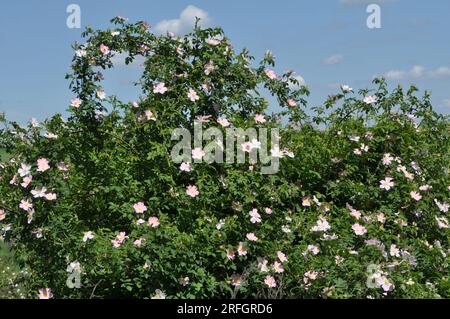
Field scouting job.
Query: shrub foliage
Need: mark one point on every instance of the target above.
(359, 207)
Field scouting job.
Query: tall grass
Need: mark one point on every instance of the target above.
(3, 155)
(12, 278)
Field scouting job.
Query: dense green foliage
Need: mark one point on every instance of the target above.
(324, 226)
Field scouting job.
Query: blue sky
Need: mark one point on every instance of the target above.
(326, 42)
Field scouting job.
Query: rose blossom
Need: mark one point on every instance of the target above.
(281, 256)
(192, 191)
(387, 183)
(270, 282)
(43, 165)
(198, 153)
(104, 49)
(89, 235)
(76, 103)
(185, 167)
(160, 88)
(359, 230)
(415, 195)
(259, 118)
(193, 96)
(26, 205)
(45, 293)
(242, 251)
(291, 102)
(140, 208)
(371, 99)
(251, 237)
(270, 74)
(153, 221)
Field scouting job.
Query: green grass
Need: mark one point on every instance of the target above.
(11, 276)
(3, 155)
(9, 269)
(5, 254)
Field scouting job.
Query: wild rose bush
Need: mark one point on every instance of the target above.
(359, 207)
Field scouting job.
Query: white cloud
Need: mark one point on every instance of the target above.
(119, 60)
(441, 72)
(301, 82)
(446, 103)
(418, 72)
(334, 59)
(185, 22)
(395, 75)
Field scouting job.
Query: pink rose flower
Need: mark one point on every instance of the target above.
(104, 49)
(140, 208)
(192, 191)
(153, 221)
(43, 165)
(270, 282)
